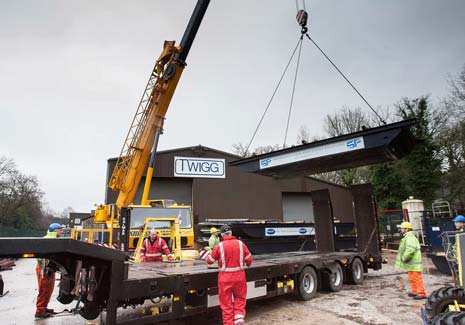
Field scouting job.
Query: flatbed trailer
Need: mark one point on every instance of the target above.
(97, 278)
(190, 286)
(271, 275)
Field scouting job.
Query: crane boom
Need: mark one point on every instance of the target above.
(150, 115)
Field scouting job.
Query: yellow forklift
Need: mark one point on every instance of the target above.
(446, 305)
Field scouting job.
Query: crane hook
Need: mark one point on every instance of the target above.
(302, 17)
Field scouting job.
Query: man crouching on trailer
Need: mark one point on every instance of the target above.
(232, 256)
(153, 248)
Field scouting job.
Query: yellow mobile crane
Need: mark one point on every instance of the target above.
(140, 146)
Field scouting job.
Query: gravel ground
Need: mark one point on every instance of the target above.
(380, 300)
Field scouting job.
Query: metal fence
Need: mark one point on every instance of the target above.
(14, 232)
(428, 231)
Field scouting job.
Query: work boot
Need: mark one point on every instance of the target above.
(43, 315)
(419, 297)
(411, 294)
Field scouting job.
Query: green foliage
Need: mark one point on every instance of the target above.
(389, 185)
(14, 232)
(419, 173)
(423, 165)
(23, 219)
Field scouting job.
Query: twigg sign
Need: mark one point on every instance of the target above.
(199, 167)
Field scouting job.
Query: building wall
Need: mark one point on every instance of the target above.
(239, 195)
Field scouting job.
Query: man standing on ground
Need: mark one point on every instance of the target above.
(153, 248)
(409, 259)
(214, 238)
(459, 223)
(46, 277)
(232, 256)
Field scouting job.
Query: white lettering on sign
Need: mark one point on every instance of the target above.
(289, 231)
(199, 167)
(313, 152)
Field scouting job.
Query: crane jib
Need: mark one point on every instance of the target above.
(152, 108)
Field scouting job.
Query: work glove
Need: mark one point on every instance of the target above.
(170, 258)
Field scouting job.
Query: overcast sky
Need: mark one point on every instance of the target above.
(72, 73)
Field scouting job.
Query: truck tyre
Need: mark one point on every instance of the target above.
(450, 317)
(307, 283)
(332, 281)
(355, 272)
(438, 302)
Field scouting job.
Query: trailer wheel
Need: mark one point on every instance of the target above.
(307, 283)
(355, 274)
(332, 281)
(438, 302)
(451, 317)
(89, 311)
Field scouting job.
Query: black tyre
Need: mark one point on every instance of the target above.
(66, 286)
(438, 302)
(90, 311)
(450, 317)
(332, 281)
(65, 299)
(307, 283)
(355, 272)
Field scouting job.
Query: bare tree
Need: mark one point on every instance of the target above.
(265, 149)
(6, 166)
(65, 213)
(304, 136)
(345, 121)
(241, 150)
(456, 97)
(450, 136)
(20, 197)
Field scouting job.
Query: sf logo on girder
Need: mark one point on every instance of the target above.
(265, 162)
(354, 143)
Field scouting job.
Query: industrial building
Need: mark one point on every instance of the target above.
(200, 176)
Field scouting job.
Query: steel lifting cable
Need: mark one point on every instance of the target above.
(297, 7)
(293, 91)
(302, 17)
(346, 79)
(272, 96)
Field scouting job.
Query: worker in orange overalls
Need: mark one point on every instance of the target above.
(232, 256)
(46, 277)
(153, 248)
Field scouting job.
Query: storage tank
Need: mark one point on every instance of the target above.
(415, 209)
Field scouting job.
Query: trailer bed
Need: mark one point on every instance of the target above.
(158, 270)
